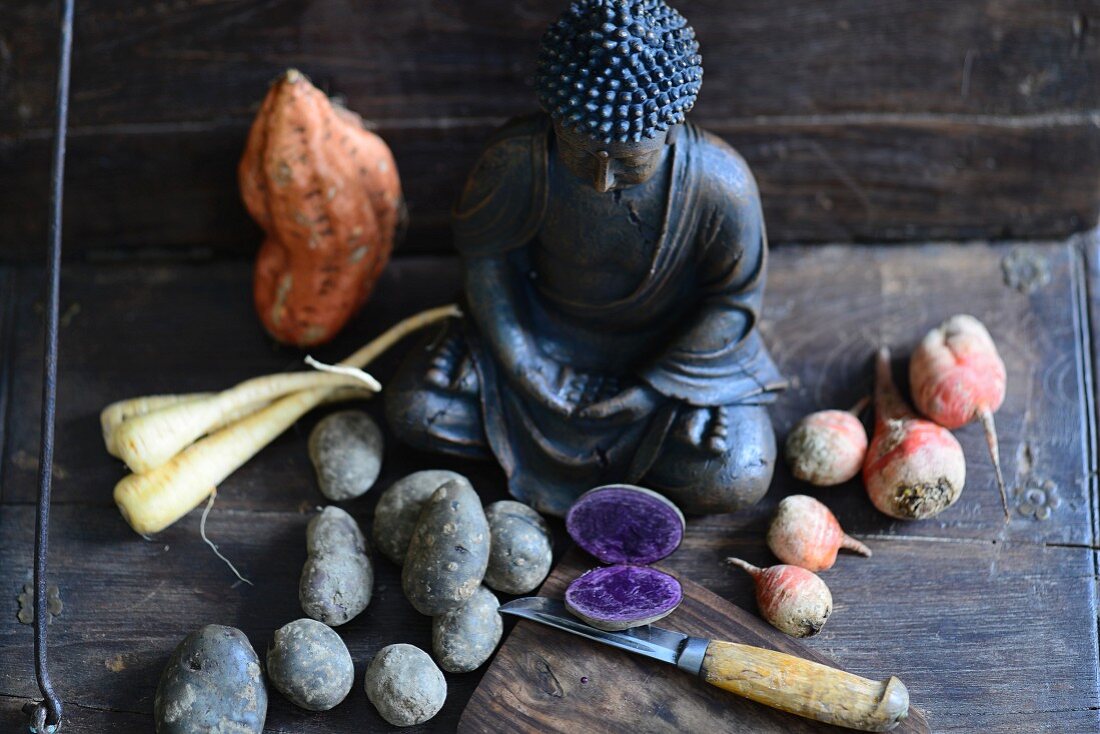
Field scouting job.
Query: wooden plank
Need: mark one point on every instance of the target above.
(128, 603)
(979, 631)
(966, 624)
(172, 191)
(994, 627)
(545, 680)
(115, 722)
(828, 309)
(77, 718)
(150, 329)
(205, 61)
(863, 122)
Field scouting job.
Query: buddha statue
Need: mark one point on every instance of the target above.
(614, 261)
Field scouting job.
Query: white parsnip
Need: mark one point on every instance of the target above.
(154, 500)
(124, 410)
(111, 417)
(147, 441)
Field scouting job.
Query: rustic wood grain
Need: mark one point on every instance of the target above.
(992, 628)
(978, 631)
(134, 330)
(129, 602)
(546, 680)
(826, 312)
(172, 191)
(77, 718)
(863, 121)
(967, 624)
(201, 61)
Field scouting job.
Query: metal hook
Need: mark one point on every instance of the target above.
(46, 716)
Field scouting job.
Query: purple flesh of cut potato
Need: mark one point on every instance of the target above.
(629, 527)
(624, 524)
(620, 597)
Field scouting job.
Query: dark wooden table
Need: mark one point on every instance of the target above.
(993, 626)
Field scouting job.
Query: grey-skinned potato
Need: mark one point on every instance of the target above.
(520, 551)
(338, 579)
(405, 685)
(310, 665)
(464, 638)
(449, 551)
(399, 508)
(212, 683)
(346, 451)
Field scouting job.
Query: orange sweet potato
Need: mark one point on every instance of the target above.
(327, 194)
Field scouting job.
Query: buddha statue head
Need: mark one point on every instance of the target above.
(616, 76)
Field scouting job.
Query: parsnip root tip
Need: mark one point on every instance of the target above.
(218, 553)
(342, 369)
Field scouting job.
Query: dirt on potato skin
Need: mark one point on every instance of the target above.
(405, 685)
(399, 507)
(520, 548)
(464, 638)
(449, 551)
(310, 665)
(346, 451)
(337, 579)
(212, 683)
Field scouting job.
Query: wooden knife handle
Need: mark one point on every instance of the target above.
(805, 688)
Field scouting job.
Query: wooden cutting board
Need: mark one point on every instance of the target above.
(545, 680)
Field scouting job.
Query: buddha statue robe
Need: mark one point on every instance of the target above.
(686, 330)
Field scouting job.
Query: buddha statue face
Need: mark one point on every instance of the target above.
(616, 76)
(607, 166)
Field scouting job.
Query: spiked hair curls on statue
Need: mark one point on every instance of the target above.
(619, 70)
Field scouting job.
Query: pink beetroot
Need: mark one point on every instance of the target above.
(806, 533)
(915, 468)
(826, 448)
(958, 376)
(792, 599)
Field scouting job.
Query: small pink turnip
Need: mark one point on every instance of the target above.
(805, 533)
(793, 600)
(958, 376)
(827, 448)
(915, 468)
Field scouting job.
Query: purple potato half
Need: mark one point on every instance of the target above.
(624, 524)
(620, 597)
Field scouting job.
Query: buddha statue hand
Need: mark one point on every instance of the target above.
(631, 404)
(540, 378)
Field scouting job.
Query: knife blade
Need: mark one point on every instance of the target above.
(772, 678)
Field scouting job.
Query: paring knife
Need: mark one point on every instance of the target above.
(772, 678)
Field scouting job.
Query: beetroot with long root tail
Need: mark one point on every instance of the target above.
(915, 468)
(827, 448)
(792, 599)
(806, 533)
(958, 376)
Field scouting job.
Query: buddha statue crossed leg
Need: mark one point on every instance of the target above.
(614, 260)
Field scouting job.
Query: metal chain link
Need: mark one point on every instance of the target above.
(46, 716)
